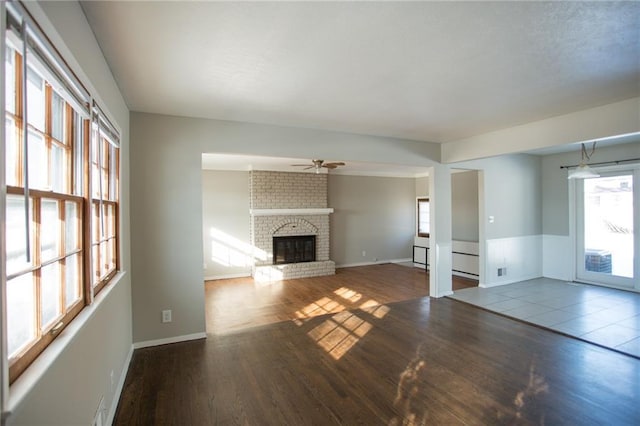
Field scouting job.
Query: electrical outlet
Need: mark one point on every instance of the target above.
(111, 376)
(364, 253)
(166, 316)
(502, 272)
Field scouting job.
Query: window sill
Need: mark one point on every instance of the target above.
(24, 384)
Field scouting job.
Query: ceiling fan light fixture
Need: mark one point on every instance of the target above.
(583, 171)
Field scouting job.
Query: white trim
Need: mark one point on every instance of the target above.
(288, 212)
(169, 340)
(512, 281)
(227, 276)
(116, 395)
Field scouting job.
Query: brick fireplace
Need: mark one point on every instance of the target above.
(289, 205)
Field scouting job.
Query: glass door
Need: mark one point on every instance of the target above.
(607, 223)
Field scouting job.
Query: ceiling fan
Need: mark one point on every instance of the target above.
(319, 164)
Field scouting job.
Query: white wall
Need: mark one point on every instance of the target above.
(511, 193)
(226, 224)
(372, 214)
(166, 213)
(69, 385)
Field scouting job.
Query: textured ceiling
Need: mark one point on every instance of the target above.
(431, 71)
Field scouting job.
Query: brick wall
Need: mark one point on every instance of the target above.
(278, 190)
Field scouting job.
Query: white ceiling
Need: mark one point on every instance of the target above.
(430, 71)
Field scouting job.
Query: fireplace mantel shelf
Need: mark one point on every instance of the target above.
(289, 212)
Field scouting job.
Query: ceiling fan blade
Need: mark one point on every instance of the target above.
(330, 166)
(300, 165)
(310, 167)
(336, 163)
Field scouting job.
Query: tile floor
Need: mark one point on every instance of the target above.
(600, 315)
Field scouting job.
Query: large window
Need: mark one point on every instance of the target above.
(104, 203)
(423, 219)
(61, 228)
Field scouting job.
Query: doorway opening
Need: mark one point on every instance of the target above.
(607, 239)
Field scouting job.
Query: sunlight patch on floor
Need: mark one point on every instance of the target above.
(321, 306)
(338, 334)
(348, 294)
(377, 311)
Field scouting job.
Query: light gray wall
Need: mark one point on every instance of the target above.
(464, 206)
(555, 185)
(166, 212)
(372, 214)
(225, 208)
(422, 186)
(512, 193)
(69, 390)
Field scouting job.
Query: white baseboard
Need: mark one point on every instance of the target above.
(116, 396)
(168, 340)
(512, 281)
(227, 276)
(408, 259)
(351, 265)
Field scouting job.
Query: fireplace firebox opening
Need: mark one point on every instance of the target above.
(294, 249)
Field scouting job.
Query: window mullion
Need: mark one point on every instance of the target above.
(47, 134)
(25, 139)
(62, 213)
(37, 261)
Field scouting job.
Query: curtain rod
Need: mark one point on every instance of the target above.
(603, 162)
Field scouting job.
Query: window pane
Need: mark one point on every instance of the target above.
(21, 308)
(104, 258)
(78, 150)
(38, 170)
(35, 99)
(10, 80)
(109, 220)
(95, 264)
(50, 284)
(16, 235)
(72, 280)
(113, 190)
(11, 151)
(423, 217)
(104, 146)
(95, 182)
(49, 229)
(608, 225)
(57, 117)
(96, 225)
(71, 226)
(112, 254)
(58, 169)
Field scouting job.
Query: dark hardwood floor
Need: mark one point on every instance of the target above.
(417, 361)
(239, 303)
